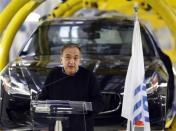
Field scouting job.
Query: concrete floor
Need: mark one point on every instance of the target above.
(116, 128)
(109, 128)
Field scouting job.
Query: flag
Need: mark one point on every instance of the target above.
(135, 104)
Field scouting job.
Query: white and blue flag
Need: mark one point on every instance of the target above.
(135, 104)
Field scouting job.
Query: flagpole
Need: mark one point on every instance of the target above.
(130, 124)
(136, 110)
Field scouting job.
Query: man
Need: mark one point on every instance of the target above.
(75, 83)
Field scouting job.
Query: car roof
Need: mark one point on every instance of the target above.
(125, 20)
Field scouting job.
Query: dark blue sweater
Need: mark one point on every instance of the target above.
(80, 87)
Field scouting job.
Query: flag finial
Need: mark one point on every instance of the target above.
(135, 7)
(136, 10)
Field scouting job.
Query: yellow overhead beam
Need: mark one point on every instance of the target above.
(63, 8)
(12, 28)
(166, 13)
(126, 7)
(172, 3)
(9, 12)
(73, 10)
(122, 5)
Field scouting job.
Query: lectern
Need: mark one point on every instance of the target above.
(57, 113)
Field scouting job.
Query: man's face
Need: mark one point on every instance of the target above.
(70, 59)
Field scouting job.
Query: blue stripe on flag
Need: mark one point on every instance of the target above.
(137, 105)
(137, 118)
(137, 90)
(145, 105)
(146, 119)
(141, 103)
(143, 87)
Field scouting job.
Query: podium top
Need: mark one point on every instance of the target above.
(61, 107)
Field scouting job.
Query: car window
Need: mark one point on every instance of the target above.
(97, 38)
(31, 47)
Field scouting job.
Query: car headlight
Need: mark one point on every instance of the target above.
(13, 83)
(153, 84)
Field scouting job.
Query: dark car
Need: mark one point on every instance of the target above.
(106, 47)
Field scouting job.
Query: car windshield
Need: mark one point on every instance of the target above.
(108, 38)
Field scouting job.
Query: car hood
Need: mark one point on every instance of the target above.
(31, 72)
